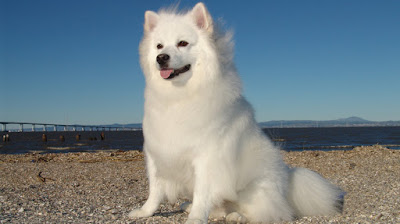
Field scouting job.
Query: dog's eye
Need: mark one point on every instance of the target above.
(182, 43)
(159, 46)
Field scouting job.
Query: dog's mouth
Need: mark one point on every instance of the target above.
(169, 73)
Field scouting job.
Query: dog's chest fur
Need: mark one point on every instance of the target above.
(177, 133)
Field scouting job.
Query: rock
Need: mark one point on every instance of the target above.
(113, 211)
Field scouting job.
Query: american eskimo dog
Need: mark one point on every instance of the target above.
(201, 139)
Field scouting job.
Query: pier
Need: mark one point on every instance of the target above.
(59, 127)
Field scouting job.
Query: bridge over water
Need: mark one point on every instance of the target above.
(61, 127)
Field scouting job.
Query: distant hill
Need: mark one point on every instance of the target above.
(343, 122)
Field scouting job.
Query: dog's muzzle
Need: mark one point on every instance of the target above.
(169, 73)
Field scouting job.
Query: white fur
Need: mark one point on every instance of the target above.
(201, 139)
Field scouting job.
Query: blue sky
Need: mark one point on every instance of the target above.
(77, 61)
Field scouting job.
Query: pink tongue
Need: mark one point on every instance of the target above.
(166, 73)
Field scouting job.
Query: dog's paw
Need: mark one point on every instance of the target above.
(139, 212)
(235, 218)
(217, 213)
(186, 207)
(195, 221)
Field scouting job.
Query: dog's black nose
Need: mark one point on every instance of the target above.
(162, 59)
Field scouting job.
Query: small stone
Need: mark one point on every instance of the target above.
(21, 209)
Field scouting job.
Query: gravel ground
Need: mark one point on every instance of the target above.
(103, 187)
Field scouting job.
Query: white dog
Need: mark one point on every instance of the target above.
(201, 139)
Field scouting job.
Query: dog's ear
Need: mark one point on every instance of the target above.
(202, 17)
(150, 20)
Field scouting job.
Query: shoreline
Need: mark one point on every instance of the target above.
(102, 187)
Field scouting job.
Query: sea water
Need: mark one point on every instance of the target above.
(289, 139)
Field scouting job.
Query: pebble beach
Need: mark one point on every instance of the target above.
(102, 187)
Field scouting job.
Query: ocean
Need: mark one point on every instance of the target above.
(289, 139)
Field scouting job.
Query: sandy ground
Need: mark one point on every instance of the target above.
(103, 187)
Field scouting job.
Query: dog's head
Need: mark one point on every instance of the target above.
(175, 44)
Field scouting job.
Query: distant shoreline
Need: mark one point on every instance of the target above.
(260, 124)
(344, 122)
(336, 126)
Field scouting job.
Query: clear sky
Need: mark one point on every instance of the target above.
(77, 61)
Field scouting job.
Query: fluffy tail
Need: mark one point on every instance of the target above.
(310, 194)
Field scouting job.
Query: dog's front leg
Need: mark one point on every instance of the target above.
(156, 195)
(202, 196)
